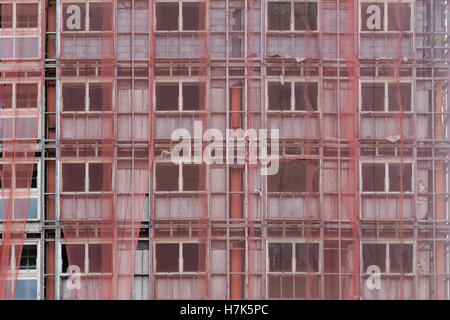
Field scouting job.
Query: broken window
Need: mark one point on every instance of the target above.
(28, 257)
(374, 254)
(305, 16)
(193, 16)
(279, 96)
(372, 95)
(307, 257)
(5, 96)
(373, 175)
(399, 95)
(100, 16)
(73, 175)
(306, 96)
(295, 176)
(399, 17)
(400, 176)
(401, 258)
(279, 15)
(193, 96)
(167, 16)
(6, 15)
(100, 257)
(167, 96)
(280, 257)
(167, 256)
(194, 257)
(100, 97)
(27, 15)
(27, 95)
(73, 95)
(166, 177)
(100, 177)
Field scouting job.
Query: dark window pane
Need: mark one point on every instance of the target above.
(307, 254)
(400, 182)
(293, 177)
(100, 258)
(27, 95)
(5, 96)
(300, 287)
(372, 96)
(305, 15)
(64, 258)
(100, 177)
(28, 257)
(279, 15)
(166, 177)
(306, 96)
(287, 287)
(274, 287)
(5, 176)
(280, 257)
(374, 254)
(73, 175)
(167, 16)
(167, 257)
(401, 258)
(193, 16)
(370, 21)
(166, 96)
(27, 15)
(100, 97)
(26, 175)
(69, 11)
(399, 17)
(193, 176)
(73, 95)
(373, 177)
(399, 96)
(100, 16)
(194, 256)
(76, 254)
(193, 96)
(6, 15)
(279, 96)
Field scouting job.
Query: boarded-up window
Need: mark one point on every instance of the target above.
(166, 177)
(100, 16)
(73, 95)
(399, 17)
(372, 95)
(100, 177)
(373, 175)
(167, 255)
(401, 258)
(73, 175)
(194, 257)
(295, 176)
(5, 96)
(6, 15)
(100, 257)
(27, 95)
(307, 257)
(305, 15)
(306, 96)
(100, 97)
(279, 96)
(280, 257)
(166, 96)
(374, 254)
(279, 15)
(167, 16)
(399, 95)
(400, 176)
(193, 96)
(193, 16)
(27, 15)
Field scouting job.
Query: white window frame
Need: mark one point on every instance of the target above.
(15, 15)
(86, 180)
(292, 82)
(293, 242)
(180, 177)
(388, 262)
(87, 84)
(292, 18)
(180, 94)
(14, 97)
(180, 257)
(386, 176)
(86, 17)
(180, 16)
(386, 96)
(385, 17)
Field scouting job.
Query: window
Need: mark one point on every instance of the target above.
(192, 96)
(25, 175)
(295, 176)
(293, 96)
(391, 258)
(28, 257)
(26, 95)
(384, 97)
(385, 16)
(180, 257)
(99, 177)
(192, 16)
(292, 15)
(167, 177)
(386, 177)
(90, 16)
(21, 209)
(6, 15)
(26, 289)
(85, 97)
(90, 258)
(26, 15)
